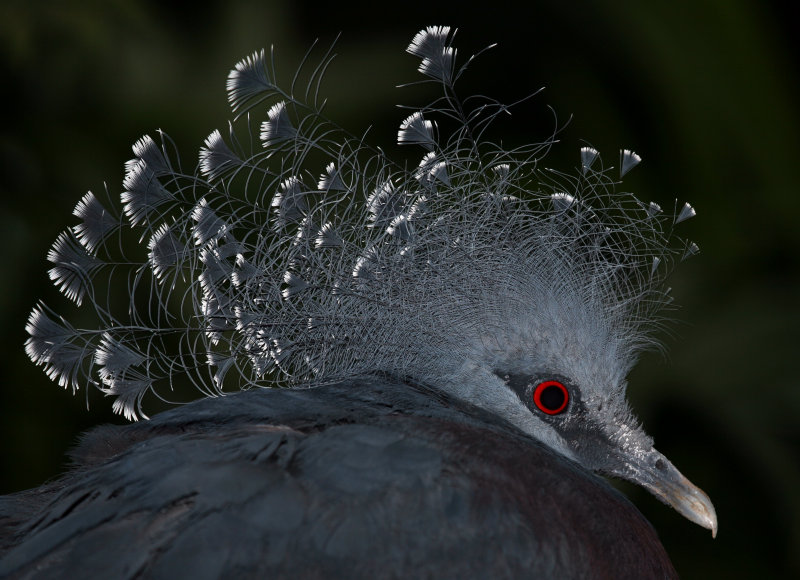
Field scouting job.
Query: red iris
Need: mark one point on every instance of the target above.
(551, 397)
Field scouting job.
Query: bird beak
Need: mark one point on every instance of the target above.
(655, 473)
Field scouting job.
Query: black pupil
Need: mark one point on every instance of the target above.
(552, 397)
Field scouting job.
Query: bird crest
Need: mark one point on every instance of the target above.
(295, 253)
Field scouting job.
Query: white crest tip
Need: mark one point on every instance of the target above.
(588, 156)
(628, 160)
(687, 211)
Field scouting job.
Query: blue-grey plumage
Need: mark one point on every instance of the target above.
(286, 484)
(310, 258)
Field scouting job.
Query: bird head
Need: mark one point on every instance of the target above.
(556, 365)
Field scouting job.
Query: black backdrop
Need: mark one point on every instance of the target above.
(706, 91)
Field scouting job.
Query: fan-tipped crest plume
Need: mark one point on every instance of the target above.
(311, 257)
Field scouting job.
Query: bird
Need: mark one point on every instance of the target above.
(407, 366)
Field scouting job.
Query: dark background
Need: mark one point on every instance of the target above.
(705, 90)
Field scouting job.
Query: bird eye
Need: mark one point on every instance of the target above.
(551, 397)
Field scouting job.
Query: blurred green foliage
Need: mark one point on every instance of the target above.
(706, 91)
